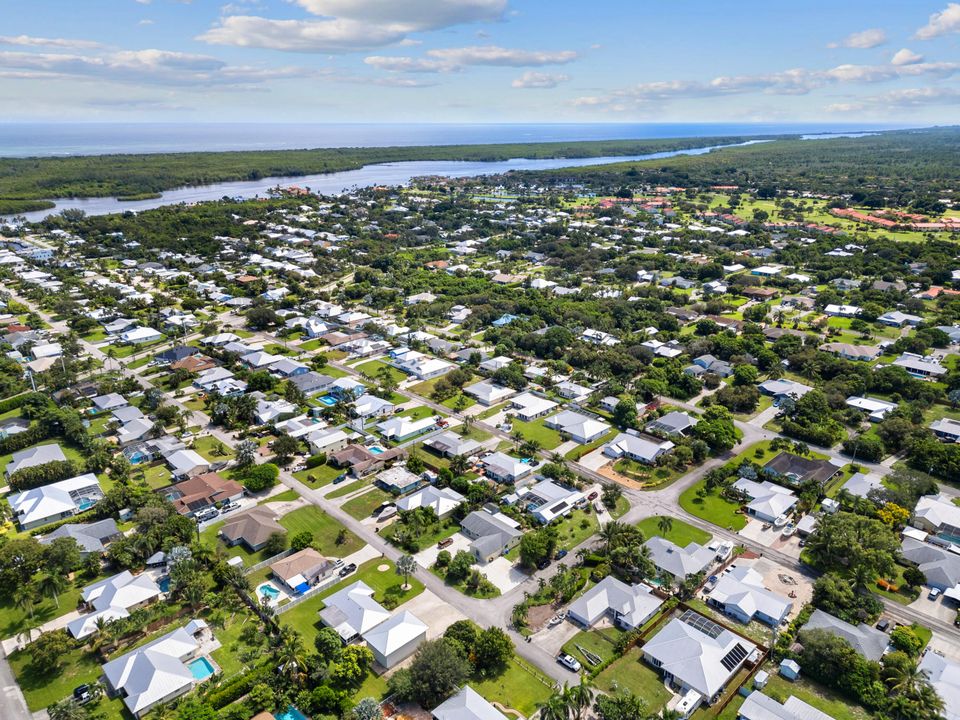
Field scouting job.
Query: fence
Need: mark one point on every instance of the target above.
(332, 580)
(269, 561)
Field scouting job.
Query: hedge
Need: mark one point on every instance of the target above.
(78, 518)
(34, 434)
(239, 686)
(37, 475)
(10, 403)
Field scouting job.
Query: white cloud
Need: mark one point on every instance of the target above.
(444, 60)
(798, 81)
(349, 25)
(941, 23)
(906, 98)
(411, 15)
(906, 57)
(863, 40)
(30, 41)
(531, 79)
(157, 67)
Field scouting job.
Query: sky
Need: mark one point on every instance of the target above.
(480, 61)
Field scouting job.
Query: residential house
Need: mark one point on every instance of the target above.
(398, 480)
(944, 675)
(646, 449)
(674, 423)
(370, 406)
(528, 406)
(327, 441)
(352, 611)
(112, 598)
(449, 444)
(159, 671)
(547, 501)
(946, 429)
(583, 429)
(628, 606)
(401, 428)
(504, 468)
(467, 704)
(898, 319)
(201, 492)
(862, 353)
(696, 654)
(396, 639)
(796, 470)
(361, 461)
(492, 534)
(860, 485)
(758, 706)
(937, 514)
(33, 457)
(768, 501)
(741, 594)
(302, 570)
(573, 391)
(867, 641)
(39, 506)
(253, 528)
(939, 565)
(919, 366)
(781, 389)
(91, 538)
(187, 463)
(876, 410)
(677, 561)
(311, 383)
(443, 501)
(489, 393)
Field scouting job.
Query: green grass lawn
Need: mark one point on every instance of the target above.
(576, 528)
(649, 476)
(372, 369)
(597, 642)
(157, 476)
(346, 489)
(285, 496)
(362, 505)
(385, 583)
(41, 689)
(712, 508)
(429, 535)
(536, 430)
(519, 687)
(205, 446)
(318, 476)
(832, 703)
(455, 403)
(123, 351)
(681, 533)
(325, 531)
(631, 673)
(417, 412)
(581, 450)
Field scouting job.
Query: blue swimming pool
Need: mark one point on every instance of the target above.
(269, 591)
(375, 449)
(164, 583)
(85, 504)
(201, 668)
(291, 713)
(329, 401)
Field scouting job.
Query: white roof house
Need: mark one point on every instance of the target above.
(876, 409)
(140, 335)
(31, 457)
(935, 513)
(758, 706)
(187, 463)
(740, 593)
(448, 443)
(400, 428)
(396, 639)
(581, 428)
(371, 405)
(768, 501)
(921, 366)
(487, 392)
(697, 654)
(944, 675)
(946, 429)
(504, 468)
(547, 501)
(629, 605)
(113, 598)
(642, 449)
(158, 671)
(467, 704)
(353, 611)
(677, 561)
(41, 505)
(443, 500)
(528, 406)
(860, 485)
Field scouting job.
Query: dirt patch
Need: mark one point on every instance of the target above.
(383, 567)
(538, 616)
(608, 472)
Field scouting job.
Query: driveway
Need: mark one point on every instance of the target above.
(435, 612)
(504, 574)
(934, 608)
(426, 558)
(594, 460)
(553, 638)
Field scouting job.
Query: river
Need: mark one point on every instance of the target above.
(397, 173)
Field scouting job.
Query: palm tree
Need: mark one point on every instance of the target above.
(610, 533)
(26, 601)
(557, 707)
(581, 696)
(53, 584)
(406, 566)
(459, 464)
(291, 656)
(665, 525)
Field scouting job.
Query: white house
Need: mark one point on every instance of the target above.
(740, 593)
(487, 392)
(768, 501)
(187, 463)
(396, 639)
(642, 449)
(443, 500)
(504, 468)
(528, 407)
(629, 606)
(467, 704)
(352, 611)
(140, 335)
(113, 598)
(48, 503)
(679, 562)
(547, 501)
(876, 410)
(581, 428)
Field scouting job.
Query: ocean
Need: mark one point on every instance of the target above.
(54, 139)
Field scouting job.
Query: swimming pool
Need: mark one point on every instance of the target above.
(85, 504)
(268, 590)
(291, 713)
(164, 583)
(201, 668)
(329, 401)
(376, 449)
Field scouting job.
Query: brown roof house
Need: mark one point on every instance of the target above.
(202, 491)
(363, 462)
(302, 570)
(194, 364)
(252, 528)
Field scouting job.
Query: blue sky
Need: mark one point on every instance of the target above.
(482, 61)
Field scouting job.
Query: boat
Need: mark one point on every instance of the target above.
(789, 530)
(781, 521)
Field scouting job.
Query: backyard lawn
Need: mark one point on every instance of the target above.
(212, 449)
(41, 689)
(712, 508)
(536, 430)
(681, 533)
(577, 527)
(822, 698)
(631, 673)
(363, 505)
(346, 489)
(325, 531)
(519, 687)
(318, 476)
(373, 368)
(598, 642)
(157, 475)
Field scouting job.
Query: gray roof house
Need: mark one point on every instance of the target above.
(92, 537)
(629, 606)
(492, 534)
(467, 704)
(940, 566)
(758, 706)
(636, 447)
(31, 457)
(944, 675)
(449, 444)
(679, 562)
(866, 640)
(353, 612)
(673, 423)
(396, 639)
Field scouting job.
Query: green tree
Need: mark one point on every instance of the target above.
(406, 566)
(492, 651)
(437, 671)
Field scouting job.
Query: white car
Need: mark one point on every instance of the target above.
(569, 662)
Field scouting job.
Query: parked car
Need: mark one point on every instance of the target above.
(883, 625)
(82, 694)
(543, 564)
(569, 662)
(561, 554)
(347, 569)
(593, 496)
(933, 594)
(230, 507)
(445, 543)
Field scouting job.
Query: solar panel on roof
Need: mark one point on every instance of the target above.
(699, 622)
(733, 658)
